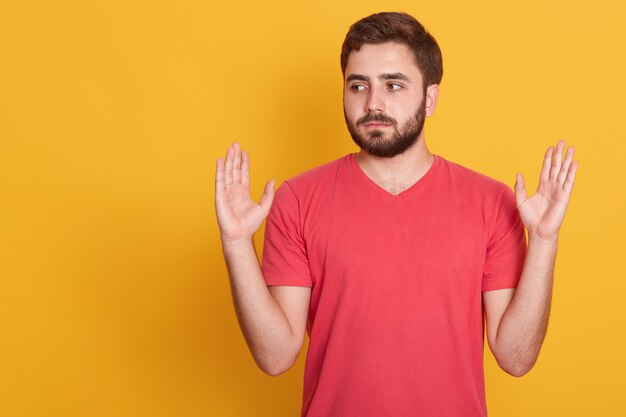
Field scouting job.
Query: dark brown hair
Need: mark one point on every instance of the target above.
(401, 28)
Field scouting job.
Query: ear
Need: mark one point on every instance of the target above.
(432, 96)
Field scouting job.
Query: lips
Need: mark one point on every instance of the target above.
(376, 120)
(376, 124)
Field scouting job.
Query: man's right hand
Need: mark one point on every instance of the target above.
(238, 215)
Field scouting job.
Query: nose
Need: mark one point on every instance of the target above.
(374, 102)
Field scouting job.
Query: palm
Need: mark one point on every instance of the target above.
(237, 214)
(543, 212)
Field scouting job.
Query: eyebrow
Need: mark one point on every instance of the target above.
(383, 76)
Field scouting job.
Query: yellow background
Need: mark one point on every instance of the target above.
(114, 299)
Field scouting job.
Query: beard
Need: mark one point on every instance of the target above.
(402, 139)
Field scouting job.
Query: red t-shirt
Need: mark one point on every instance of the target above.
(395, 320)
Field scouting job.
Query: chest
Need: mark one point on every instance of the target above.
(430, 239)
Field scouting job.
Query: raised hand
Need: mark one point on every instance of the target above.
(238, 215)
(543, 212)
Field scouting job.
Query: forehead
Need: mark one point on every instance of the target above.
(389, 57)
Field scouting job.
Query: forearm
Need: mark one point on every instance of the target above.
(264, 325)
(524, 324)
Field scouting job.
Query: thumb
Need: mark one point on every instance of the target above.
(268, 196)
(520, 189)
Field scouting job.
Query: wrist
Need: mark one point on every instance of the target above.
(535, 237)
(539, 244)
(237, 243)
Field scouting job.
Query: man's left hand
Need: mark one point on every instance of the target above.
(543, 212)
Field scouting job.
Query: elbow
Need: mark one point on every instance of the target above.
(277, 359)
(275, 366)
(517, 368)
(516, 372)
(515, 360)
(275, 369)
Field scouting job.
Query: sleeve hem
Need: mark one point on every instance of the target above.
(275, 280)
(500, 284)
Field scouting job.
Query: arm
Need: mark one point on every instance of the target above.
(517, 319)
(273, 320)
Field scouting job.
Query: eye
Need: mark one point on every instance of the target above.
(394, 86)
(357, 87)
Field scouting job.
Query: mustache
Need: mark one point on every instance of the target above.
(376, 117)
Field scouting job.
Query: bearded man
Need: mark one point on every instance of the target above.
(395, 260)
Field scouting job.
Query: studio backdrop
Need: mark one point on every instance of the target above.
(114, 297)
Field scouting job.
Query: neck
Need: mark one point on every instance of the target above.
(400, 172)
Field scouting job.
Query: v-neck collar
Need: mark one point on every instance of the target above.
(356, 168)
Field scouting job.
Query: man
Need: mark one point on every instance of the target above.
(391, 257)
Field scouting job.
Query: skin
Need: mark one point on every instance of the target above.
(273, 319)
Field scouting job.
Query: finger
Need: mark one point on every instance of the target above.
(520, 190)
(245, 168)
(237, 163)
(571, 176)
(228, 167)
(547, 164)
(219, 174)
(569, 156)
(268, 196)
(557, 160)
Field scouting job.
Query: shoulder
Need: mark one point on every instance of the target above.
(299, 195)
(473, 181)
(308, 181)
(492, 198)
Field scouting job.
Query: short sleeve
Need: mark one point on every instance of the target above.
(506, 247)
(285, 259)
